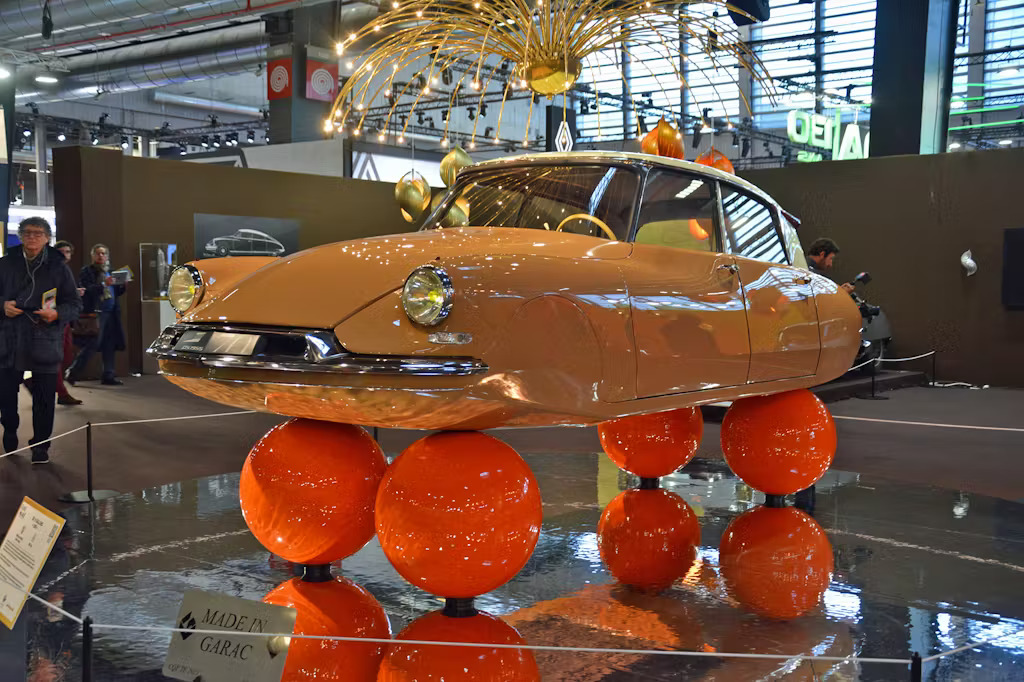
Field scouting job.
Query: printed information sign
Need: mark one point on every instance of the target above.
(24, 551)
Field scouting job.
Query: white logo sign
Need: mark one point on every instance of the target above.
(279, 78)
(322, 82)
(563, 140)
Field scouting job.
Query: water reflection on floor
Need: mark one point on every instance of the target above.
(915, 569)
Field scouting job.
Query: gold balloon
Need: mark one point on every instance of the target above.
(458, 213)
(413, 196)
(452, 163)
(553, 76)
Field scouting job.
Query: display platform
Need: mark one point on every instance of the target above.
(914, 570)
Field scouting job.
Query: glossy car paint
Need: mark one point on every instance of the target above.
(549, 313)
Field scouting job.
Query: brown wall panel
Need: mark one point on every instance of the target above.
(122, 201)
(907, 219)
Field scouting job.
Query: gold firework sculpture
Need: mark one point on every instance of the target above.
(538, 47)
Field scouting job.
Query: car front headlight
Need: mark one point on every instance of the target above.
(427, 295)
(185, 288)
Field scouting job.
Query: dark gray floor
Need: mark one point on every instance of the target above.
(131, 457)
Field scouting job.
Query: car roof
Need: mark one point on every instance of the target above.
(597, 156)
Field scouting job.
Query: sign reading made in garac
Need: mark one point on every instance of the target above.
(226, 644)
(823, 132)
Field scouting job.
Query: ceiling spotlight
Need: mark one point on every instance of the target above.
(744, 147)
(205, 141)
(955, 145)
(216, 140)
(61, 136)
(735, 140)
(125, 142)
(4, 72)
(95, 139)
(26, 132)
(483, 109)
(1006, 143)
(698, 131)
(46, 79)
(182, 149)
(487, 131)
(444, 115)
(251, 137)
(472, 112)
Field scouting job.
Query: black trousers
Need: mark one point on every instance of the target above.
(44, 387)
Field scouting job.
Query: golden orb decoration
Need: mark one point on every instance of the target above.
(452, 163)
(553, 76)
(413, 196)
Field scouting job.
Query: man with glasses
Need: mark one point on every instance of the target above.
(39, 297)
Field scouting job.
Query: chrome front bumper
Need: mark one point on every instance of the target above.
(310, 351)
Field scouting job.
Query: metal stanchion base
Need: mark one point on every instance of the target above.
(82, 496)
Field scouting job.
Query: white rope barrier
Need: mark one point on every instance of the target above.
(121, 423)
(916, 357)
(44, 442)
(172, 419)
(953, 652)
(531, 647)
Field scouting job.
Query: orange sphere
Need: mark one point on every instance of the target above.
(653, 445)
(308, 487)
(779, 444)
(458, 513)
(429, 663)
(776, 561)
(716, 159)
(648, 538)
(337, 608)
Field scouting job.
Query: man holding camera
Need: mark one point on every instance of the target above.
(820, 258)
(39, 297)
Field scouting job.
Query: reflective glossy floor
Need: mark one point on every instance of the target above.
(915, 570)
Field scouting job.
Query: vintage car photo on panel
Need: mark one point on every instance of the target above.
(220, 236)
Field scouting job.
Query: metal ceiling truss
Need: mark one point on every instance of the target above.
(19, 58)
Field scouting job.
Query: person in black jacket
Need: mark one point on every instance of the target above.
(101, 296)
(39, 295)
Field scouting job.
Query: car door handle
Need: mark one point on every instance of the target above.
(731, 268)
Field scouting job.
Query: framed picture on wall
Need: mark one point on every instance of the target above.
(220, 236)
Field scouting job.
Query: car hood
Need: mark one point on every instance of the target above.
(323, 286)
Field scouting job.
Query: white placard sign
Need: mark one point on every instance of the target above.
(232, 656)
(24, 551)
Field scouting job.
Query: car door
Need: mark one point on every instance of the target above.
(689, 323)
(779, 301)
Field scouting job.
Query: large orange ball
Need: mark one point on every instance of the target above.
(648, 538)
(337, 608)
(430, 663)
(458, 513)
(779, 444)
(653, 445)
(308, 487)
(776, 561)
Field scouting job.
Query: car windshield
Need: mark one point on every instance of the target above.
(583, 199)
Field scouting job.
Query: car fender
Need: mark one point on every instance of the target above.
(221, 274)
(548, 354)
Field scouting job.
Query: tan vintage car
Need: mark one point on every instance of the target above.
(546, 289)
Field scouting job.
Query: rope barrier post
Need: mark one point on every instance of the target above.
(873, 396)
(88, 495)
(87, 649)
(934, 355)
(915, 668)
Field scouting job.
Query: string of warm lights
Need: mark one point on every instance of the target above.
(540, 49)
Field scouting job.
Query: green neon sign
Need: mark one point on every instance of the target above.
(826, 133)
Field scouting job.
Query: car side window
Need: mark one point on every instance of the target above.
(750, 227)
(679, 211)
